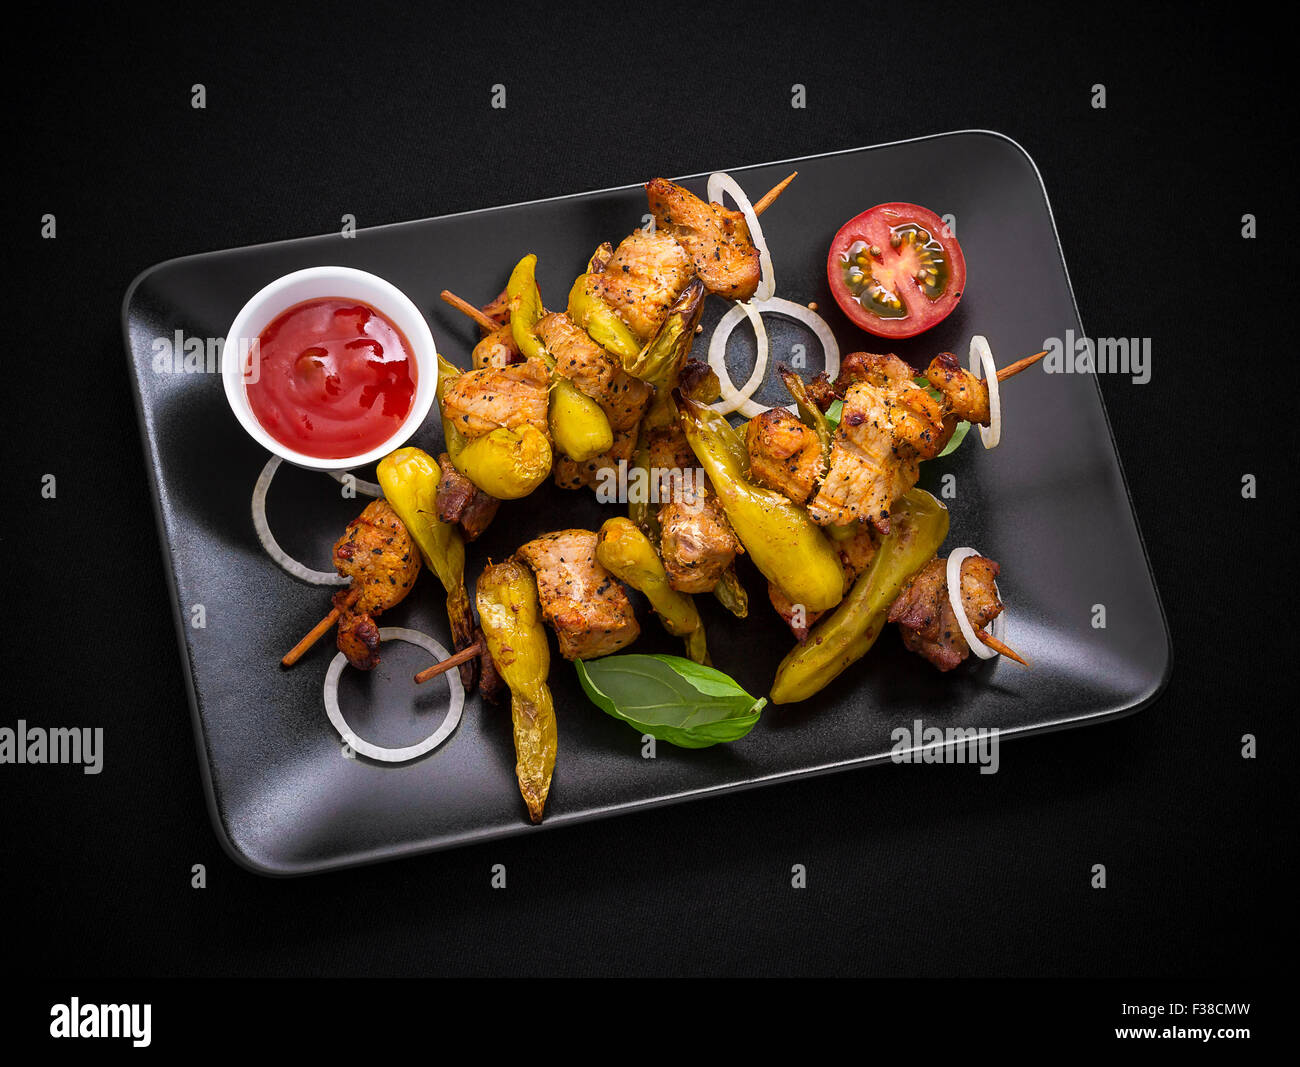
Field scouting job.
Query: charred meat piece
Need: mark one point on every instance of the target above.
(594, 371)
(496, 349)
(643, 278)
(870, 466)
(576, 474)
(697, 543)
(966, 395)
(586, 605)
(498, 310)
(480, 401)
(784, 454)
(717, 240)
(377, 553)
(925, 617)
(821, 391)
(462, 503)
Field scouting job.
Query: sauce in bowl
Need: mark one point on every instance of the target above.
(335, 378)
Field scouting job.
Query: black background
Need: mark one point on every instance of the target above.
(385, 115)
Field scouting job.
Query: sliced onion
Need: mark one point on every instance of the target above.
(720, 182)
(955, 559)
(734, 399)
(981, 356)
(268, 540)
(410, 752)
(363, 487)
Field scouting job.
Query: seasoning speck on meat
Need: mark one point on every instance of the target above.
(589, 610)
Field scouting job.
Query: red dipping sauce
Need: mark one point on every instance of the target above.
(336, 378)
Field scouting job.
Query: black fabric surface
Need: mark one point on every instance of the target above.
(385, 114)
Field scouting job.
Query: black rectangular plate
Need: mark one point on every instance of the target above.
(1050, 504)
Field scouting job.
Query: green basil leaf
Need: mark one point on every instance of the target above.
(834, 412)
(670, 698)
(958, 436)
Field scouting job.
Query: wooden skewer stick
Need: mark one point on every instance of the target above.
(465, 307)
(460, 657)
(1011, 370)
(1005, 650)
(769, 197)
(317, 632)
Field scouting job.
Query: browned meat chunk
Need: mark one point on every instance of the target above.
(697, 543)
(643, 278)
(377, 553)
(925, 616)
(870, 466)
(480, 401)
(462, 503)
(496, 349)
(586, 605)
(717, 240)
(784, 454)
(592, 473)
(967, 396)
(594, 371)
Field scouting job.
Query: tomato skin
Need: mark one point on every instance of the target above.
(874, 226)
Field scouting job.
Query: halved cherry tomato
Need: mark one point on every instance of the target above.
(896, 270)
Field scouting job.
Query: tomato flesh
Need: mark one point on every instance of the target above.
(896, 270)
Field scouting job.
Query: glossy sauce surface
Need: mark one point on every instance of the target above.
(335, 378)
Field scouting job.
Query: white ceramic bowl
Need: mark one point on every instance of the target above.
(316, 283)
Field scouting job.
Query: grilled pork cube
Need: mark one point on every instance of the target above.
(925, 617)
(377, 553)
(496, 349)
(967, 396)
(462, 503)
(587, 607)
(717, 240)
(869, 468)
(480, 401)
(575, 474)
(643, 278)
(594, 371)
(784, 454)
(697, 543)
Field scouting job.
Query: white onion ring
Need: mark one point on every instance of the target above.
(955, 559)
(364, 487)
(720, 182)
(268, 540)
(982, 355)
(410, 752)
(734, 399)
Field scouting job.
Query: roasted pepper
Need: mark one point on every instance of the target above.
(579, 425)
(409, 478)
(588, 309)
(731, 594)
(918, 525)
(781, 539)
(628, 554)
(660, 362)
(512, 625)
(506, 464)
(809, 413)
